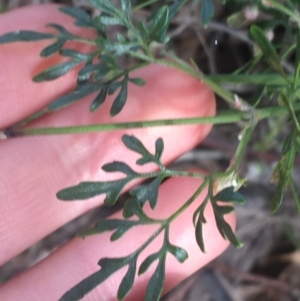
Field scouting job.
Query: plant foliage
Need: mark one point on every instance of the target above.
(100, 74)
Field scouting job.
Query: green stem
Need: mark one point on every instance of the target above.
(224, 117)
(295, 194)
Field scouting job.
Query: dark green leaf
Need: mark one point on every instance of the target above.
(61, 29)
(120, 100)
(207, 11)
(114, 87)
(174, 8)
(109, 61)
(104, 5)
(267, 48)
(86, 190)
(288, 142)
(199, 234)
(137, 81)
(159, 25)
(121, 227)
(53, 48)
(135, 145)
(147, 262)
(82, 18)
(229, 195)
(156, 283)
(118, 48)
(180, 254)
(223, 227)
(99, 100)
(25, 36)
(128, 280)
(99, 69)
(78, 93)
(119, 166)
(132, 207)
(108, 267)
(148, 192)
(74, 54)
(56, 71)
(159, 148)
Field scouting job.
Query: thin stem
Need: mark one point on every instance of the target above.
(144, 4)
(189, 201)
(295, 193)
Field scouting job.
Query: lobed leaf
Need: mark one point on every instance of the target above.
(132, 207)
(86, 190)
(108, 267)
(180, 254)
(148, 192)
(105, 5)
(159, 25)
(77, 94)
(116, 166)
(53, 48)
(128, 280)
(56, 71)
(25, 36)
(147, 262)
(61, 29)
(229, 195)
(156, 283)
(159, 148)
(82, 18)
(120, 100)
(99, 100)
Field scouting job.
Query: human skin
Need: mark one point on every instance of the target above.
(33, 169)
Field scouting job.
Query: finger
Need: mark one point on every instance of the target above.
(51, 278)
(20, 62)
(39, 167)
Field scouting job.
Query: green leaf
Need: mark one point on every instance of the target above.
(156, 283)
(77, 94)
(53, 48)
(114, 87)
(61, 29)
(223, 227)
(74, 54)
(269, 52)
(174, 8)
(229, 195)
(109, 21)
(127, 281)
(135, 145)
(25, 36)
(105, 6)
(148, 192)
(120, 100)
(131, 208)
(159, 25)
(159, 148)
(108, 267)
(99, 69)
(137, 81)
(56, 71)
(86, 190)
(99, 100)
(82, 18)
(147, 262)
(119, 166)
(207, 11)
(118, 48)
(199, 233)
(289, 140)
(180, 254)
(120, 227)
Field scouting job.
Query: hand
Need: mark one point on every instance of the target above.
(33, 169)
